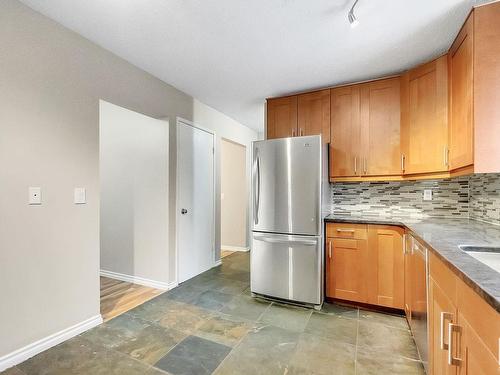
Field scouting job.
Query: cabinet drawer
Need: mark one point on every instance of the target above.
(346, 230)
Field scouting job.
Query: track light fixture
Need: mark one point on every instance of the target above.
(351, 17)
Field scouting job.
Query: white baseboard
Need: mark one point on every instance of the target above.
(217, 263)
(234, 248)
(172, 285)
(24, 353)
(136, 280)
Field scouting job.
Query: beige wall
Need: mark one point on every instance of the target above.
(51, 81)
(134, 194)
(233, 195)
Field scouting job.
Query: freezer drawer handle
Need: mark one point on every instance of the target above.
(286, 241)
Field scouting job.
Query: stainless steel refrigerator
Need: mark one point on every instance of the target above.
(289, 179)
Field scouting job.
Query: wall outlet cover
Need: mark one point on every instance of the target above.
(427, 195)
(34, 195)
(80, 196)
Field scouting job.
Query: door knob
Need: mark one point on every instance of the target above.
(184, 211)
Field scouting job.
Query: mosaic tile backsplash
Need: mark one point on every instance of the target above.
(484, 201)
(477, 196)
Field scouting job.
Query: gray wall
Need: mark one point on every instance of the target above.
(134, 194)
(51, 80)
(234, 192)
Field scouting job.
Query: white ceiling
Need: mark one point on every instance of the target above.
(232, 54)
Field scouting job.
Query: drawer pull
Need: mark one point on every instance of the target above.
(444, 317)
(452, 361)
(330, 249)
(345, 230)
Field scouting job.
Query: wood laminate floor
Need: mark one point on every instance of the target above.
(118, 296)
(225, 253)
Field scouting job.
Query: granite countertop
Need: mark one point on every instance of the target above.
(443, 236)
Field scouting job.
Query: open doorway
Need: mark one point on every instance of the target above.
(134, 187)
(234, 198)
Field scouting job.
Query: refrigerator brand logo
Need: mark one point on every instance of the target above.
(307, 145)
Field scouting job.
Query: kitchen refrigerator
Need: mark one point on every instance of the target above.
(289, 182)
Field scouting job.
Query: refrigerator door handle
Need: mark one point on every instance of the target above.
(257, 188)
(292, 240)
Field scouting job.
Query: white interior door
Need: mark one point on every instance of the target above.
(195, 200)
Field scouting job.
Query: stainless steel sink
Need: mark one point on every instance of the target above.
(480, 249)
(489, 255)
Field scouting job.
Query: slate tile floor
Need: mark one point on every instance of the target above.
(211, 324)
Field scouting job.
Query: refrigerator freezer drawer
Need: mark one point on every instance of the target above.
(287, 267)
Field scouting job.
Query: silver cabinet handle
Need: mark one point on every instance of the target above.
(286, 241)
(345, 230)
(301, 132)
(330, 249)
(444, 317)
(293, 132)
(446, 156)
(403, 162)
(452, 361)
(365, 163)
(355, 165)
(404, 243)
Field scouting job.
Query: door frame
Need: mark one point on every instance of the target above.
(182, 121)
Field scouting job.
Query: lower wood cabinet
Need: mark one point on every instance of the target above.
(464, 331)
(365, 264)
(386, 266)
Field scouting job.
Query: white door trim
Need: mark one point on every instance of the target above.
(180, 120)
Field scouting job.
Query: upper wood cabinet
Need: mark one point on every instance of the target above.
(424, 118)
(380, 118)
(365, 130)
(345, 148)
(461, 98)
(314, 114)
(299, 115)
(282, 117)
(439, 120)
(474, 75)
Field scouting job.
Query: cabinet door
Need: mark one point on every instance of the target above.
(424, 118)
(408, 277)
(461, 98)
(386, 266)
(345, 156)
(380, 128)
(282, 117)
(474, 357)
(349, 269)
(314, 114)
(330, 283)
(441, 313)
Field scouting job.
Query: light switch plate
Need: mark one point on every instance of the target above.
(34, 195)
(80, 196)
(427, 195)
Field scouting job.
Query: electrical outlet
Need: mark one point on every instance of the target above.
(35, 195)
(427, 195)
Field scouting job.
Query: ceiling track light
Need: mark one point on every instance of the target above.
(351, 17)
